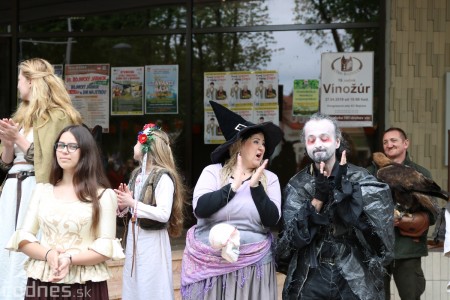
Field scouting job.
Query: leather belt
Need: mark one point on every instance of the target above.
(20, 176)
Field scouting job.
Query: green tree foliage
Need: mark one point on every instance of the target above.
(339, 11)
(232, 51)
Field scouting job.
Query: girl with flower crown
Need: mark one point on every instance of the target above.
(152, 202)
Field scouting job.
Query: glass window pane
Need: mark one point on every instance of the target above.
(285, 12)
(161, 17)
(294, 55)
(5, 84)
(233, 13)
(337, 11)
(5, 16)
(124, 51)
(5, 28)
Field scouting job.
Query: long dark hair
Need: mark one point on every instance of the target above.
(89, 175)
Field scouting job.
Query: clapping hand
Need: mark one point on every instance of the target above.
(322, 188)
(124, 196)
(238, 174)
(342, 171)
(254, 181)
(8, 131)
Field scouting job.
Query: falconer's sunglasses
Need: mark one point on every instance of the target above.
(71, 147)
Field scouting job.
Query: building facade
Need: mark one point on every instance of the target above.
(410, 41)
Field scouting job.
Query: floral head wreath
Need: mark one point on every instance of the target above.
(147, 135)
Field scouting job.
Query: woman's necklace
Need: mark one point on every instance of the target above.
(248, 173)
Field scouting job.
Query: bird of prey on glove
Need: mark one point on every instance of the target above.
(410, 188)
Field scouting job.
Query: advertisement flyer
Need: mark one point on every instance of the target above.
(251, 94)
(88, 86)
(346, 88)
(266, 115)
(215, 84)
(59, 70)
(161, 89)
(212, 132)
(265, 86)
(305, 97)
(239, 85)
(127, 96)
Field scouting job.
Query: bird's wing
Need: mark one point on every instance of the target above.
(427, 202)
(398, 175)
(409, 190)
(410, 179)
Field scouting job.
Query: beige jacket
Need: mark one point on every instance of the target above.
(44, 138)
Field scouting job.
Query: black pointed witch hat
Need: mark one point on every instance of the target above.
(234, 127)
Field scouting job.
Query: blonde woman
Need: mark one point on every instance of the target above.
(153, 201)
(235, 190)
(26, 149)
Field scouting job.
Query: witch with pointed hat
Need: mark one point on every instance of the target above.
(236, 200)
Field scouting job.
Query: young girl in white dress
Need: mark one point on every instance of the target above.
(153, 202)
